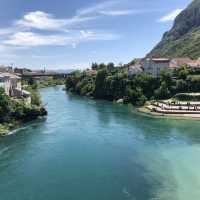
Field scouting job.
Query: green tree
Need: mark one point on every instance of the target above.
(99, 83)
(162, 92)
(94, 66)
(110, 67)
(182, 72)
(193, 82)
(181, 86)
(4, 104)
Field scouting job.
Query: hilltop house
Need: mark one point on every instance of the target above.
(155, 65)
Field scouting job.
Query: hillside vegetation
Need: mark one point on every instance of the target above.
(114, 84)
(183, 40)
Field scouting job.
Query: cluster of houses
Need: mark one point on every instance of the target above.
(11, 82)
(155, 65)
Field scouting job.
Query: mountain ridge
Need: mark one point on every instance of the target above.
(183, 40)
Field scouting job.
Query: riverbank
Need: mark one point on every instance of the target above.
(7, 128)
(150, 113)
(13, 124)
(52, 84)
(49, 82)
(4, 129)
(15, 112)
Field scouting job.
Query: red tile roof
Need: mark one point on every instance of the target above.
(194, 63)
(177, 62)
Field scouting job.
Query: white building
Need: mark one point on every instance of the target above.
(11, 83)
(12, 86)
(4, 69)
(155, 65)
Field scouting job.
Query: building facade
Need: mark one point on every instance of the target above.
(155, 65)
(6, 69)
(12, 86)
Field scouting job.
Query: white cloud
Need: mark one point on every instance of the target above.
(107, 8)
(96, 8)
(87, 34)
(118, 12)
(6, 31)
(40, 20)
(45, 21)
(30, 30)
(171, 16)
(30, 39)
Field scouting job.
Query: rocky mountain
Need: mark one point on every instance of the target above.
(183, 40)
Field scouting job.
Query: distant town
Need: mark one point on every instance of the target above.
(10, 78)
(155, 65)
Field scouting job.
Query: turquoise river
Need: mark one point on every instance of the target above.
(96, 150)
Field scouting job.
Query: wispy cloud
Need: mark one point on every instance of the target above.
(171, 16)
(30, 30)
(45, 21)
(40, 20)
(108, 8)
(33, 39)
(96, 8)
(6, 31)
(39, 28)
(30, 39)
(118, 12)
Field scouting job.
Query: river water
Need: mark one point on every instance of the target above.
(94, 150)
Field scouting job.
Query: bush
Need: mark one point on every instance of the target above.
(15, 110)
(162, 92)
(187, 97)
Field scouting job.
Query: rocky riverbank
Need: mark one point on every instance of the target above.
(15, 111)
(13, 124)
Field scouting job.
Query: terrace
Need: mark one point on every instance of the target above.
(190, 106)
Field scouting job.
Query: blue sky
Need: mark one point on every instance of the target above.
(65, 34)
